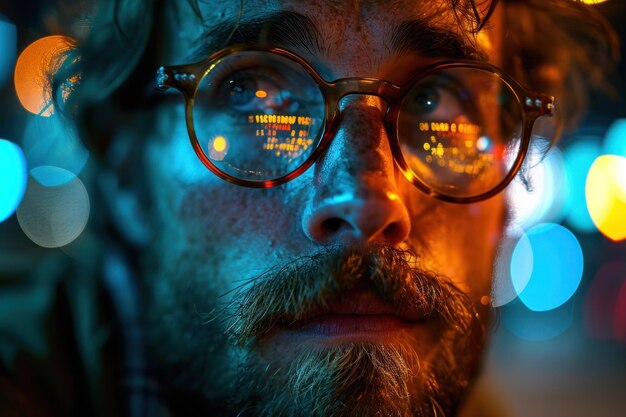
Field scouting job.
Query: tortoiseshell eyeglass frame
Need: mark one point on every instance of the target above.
(186, 79)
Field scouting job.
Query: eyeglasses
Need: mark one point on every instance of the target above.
(259, 117)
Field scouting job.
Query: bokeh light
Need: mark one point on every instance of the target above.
(13, 175)
(33, 67)
(548, 187)
(53, 215)
(536, 326)
(615, 139)
(604, 299)
(578, 158)
(606, 195)
(555, 259)
(53, 141)
(502, 290)
(8, 49)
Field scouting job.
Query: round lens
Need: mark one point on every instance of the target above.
(459, 130)
(258, 115)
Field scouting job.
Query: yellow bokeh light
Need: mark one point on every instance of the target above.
(33, 67)
(219, 144)
(261, 94)
(606, 195)
(593, 1)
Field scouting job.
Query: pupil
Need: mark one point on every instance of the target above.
(427, 100)
(241, 91)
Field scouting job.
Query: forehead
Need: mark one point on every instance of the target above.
(364, 31)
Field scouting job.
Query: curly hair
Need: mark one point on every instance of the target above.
(562, 47)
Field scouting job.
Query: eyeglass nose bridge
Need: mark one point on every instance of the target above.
(337, 90)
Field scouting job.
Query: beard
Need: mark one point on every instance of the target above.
(205, 341)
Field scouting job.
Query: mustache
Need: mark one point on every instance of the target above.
(302, 288)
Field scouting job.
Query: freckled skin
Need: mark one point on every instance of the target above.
(212, 234)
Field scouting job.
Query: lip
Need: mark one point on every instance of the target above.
(333, 325)
(360, 313)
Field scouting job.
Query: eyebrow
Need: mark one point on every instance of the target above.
(287, 29)
(293, 30)
(420, 37)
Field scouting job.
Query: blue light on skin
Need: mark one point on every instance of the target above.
(615, 139)
(578, 158)
(8, 49)
(13, 178)
(557, 267)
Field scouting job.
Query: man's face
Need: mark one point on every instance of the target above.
(346, 291)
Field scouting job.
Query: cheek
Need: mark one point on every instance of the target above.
(458, 241)
(237, 232)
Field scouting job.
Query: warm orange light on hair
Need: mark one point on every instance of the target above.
(33, 67)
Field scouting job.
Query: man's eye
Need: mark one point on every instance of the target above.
(426, 100)
(241, 92)
(436, 101)
(256, 91)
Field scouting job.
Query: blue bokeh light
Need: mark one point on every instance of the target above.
(578, 159)
(615, 139)
(8, 49)
(502, 290)
(51, 141)
(51, 176)
(556, 260)
(13, 178)
(536, 326)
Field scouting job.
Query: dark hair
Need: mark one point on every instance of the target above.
(562, 47)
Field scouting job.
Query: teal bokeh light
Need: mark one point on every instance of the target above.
(556, 260)
(578, 159)
(615, 139)
(537, 326)
(13, 178)
(53, 141)
(8, 49)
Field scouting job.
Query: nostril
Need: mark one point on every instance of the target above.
(392, 231)
(332, 225)
(367, 220)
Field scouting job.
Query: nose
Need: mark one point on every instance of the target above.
(355, 198)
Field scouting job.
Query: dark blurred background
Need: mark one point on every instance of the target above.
(559, 343)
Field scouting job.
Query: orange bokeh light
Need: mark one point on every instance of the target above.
(33, 67)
